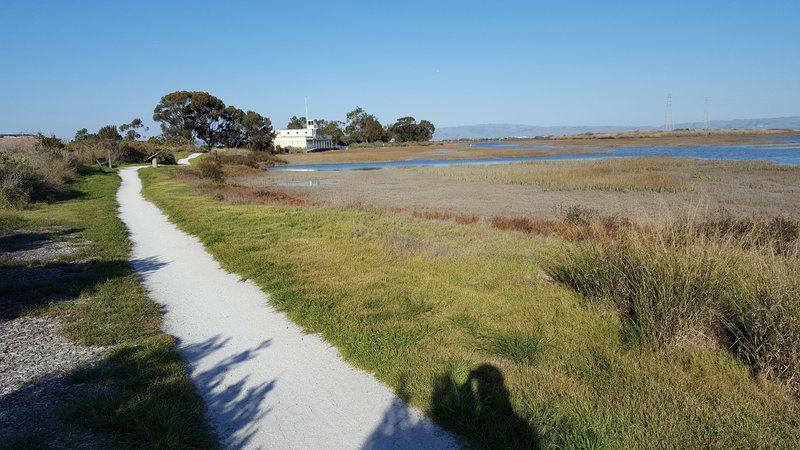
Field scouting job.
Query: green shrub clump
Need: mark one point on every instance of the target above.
(738, 279)
(211, 168)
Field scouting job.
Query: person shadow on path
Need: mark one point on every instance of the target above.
(480, 409)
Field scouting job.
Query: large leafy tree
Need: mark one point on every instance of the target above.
(296, 123)
(84, 135)
(109, 132)
(189, 115)
(131, 130)
(245, 129)
(425, 130)
(363, 127)
(333, 129)
(406, 129)
(258, 130)
(231, 131)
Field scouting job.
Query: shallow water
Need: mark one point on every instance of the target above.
(787, 152)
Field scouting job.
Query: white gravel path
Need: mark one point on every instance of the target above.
(185, 161)
(266, 384)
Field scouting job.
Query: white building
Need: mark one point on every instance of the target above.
(309, 138)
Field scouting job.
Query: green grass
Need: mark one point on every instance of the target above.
(742, 281)
(150, 401)
(460, 321)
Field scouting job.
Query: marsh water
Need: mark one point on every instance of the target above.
(783, 150)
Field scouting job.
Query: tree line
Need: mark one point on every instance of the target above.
(186, 117)
(361, 127)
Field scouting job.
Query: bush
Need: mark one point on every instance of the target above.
(88, 151)
(19, 183)
(33, 174)
(248, 158)
(721, 276)
(763, 322)
(49, 141)
(211, 168)
(663, 291)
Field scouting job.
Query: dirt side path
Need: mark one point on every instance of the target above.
(265, 383)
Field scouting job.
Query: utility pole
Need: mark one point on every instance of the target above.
(706, 121)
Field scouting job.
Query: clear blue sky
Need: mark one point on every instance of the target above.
(65, 65)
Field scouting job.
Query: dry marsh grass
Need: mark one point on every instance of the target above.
(18, 144)
(433, 151)
(236, 194)
(658, 174)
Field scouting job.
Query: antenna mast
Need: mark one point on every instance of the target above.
(706, 122)
(307, 119)
(668, 126)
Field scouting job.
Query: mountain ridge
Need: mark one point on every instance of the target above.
(504, 130)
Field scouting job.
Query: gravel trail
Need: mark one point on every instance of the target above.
(266, 384)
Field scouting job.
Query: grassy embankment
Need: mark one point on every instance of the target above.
(147, 400)
(463, 322)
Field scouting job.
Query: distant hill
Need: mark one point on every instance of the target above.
(501, 130)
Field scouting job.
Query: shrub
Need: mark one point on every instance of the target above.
(49, 141)
(249, 159)
(88, 151)
(19, 183)
(577, 214)
(763, 322)
(33, 174)
(211, 168)
(723, 276)
(663, 291)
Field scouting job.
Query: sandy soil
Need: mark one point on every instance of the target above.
(713, 187)
(265, 382)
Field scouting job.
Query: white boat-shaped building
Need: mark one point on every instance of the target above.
(309, 138)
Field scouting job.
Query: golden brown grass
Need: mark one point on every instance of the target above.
(659, 174)
(436, 151)
(18, 144)
(236, 194)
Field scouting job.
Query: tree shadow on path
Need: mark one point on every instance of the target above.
(234, 407)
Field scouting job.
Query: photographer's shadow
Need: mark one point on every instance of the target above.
(481, 409)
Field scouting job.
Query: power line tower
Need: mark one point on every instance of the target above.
(668, 125)
(706, 121)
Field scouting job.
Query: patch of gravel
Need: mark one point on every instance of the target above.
(34, 360)
(40, 245)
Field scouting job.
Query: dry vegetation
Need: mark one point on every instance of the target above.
(449, 150)
(209, 174)
(659, 174)
(32, 172)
